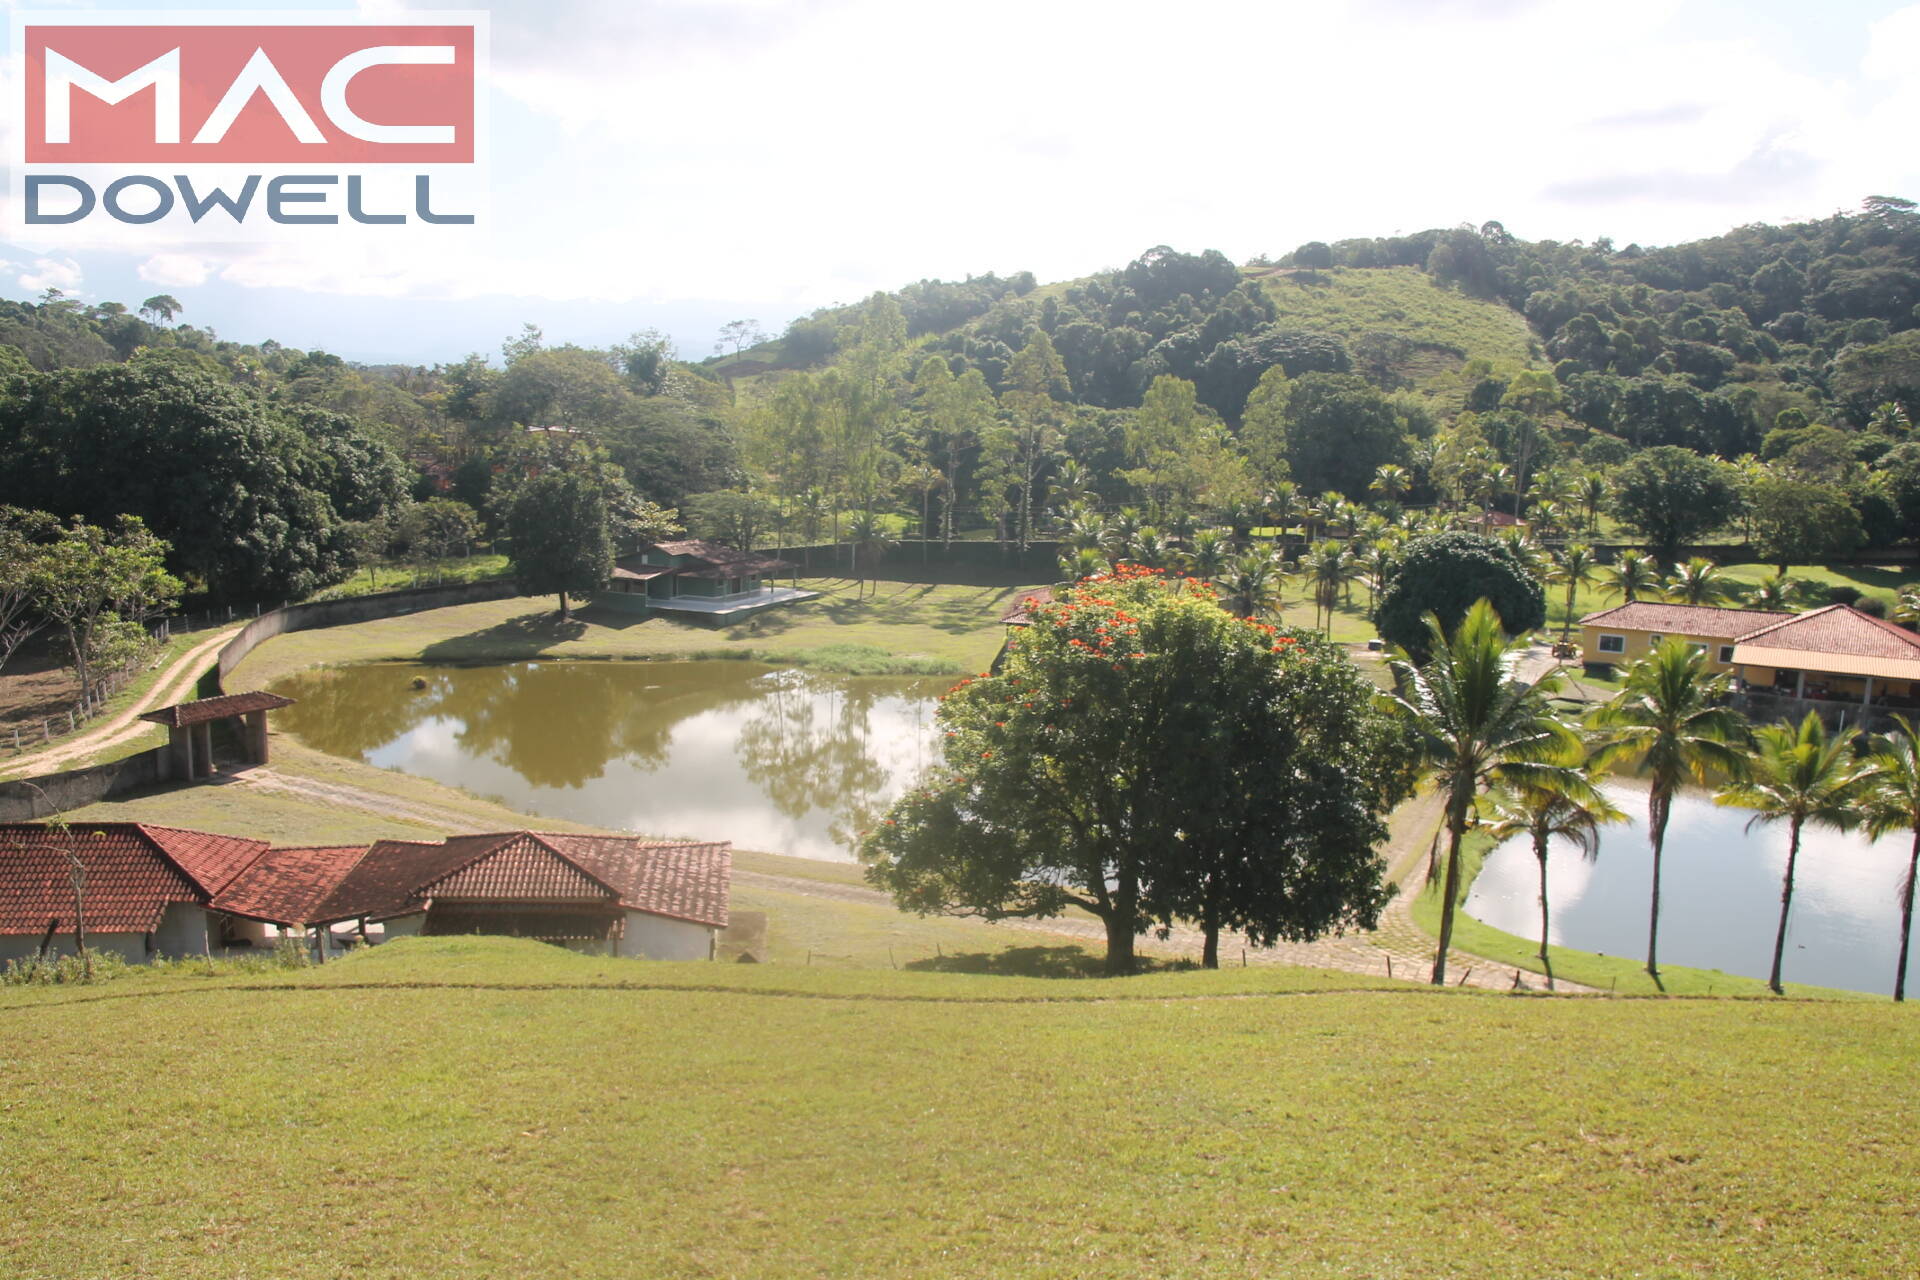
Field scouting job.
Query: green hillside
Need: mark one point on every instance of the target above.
(490, 1108)
(1404, 301)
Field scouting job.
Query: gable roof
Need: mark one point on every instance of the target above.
(1838, 639)
(129, 883)
(182, 714)
(1684, 619)
(213, 861)
(398, 877)
(286, 886)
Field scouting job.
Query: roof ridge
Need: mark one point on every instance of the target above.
(1798, 617)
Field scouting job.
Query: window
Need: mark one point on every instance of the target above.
(1726, 653)
(1696, 648)
(1653, 641)
(1612, 644)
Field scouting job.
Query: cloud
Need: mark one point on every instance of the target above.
(175, 270)
(63, 274)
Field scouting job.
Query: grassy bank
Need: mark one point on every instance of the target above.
(898, 628)
(382, 1122)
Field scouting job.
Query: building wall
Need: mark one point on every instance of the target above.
(182, 931)
(651, 937)
(1641, 643)
(404, 926)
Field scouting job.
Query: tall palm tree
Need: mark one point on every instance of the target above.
(1797, 775)
(1574, 565)
(1391, 481)
(1328, 567)
(1283, 506)
(871, 542)
(1633, 575)
(1252, 585)
(1072, 484)
(1591, 491)
(1377, 563)
(1477, 724)
(1698, 581)
(1211, 551)
(1562, 804)
(1893, 804)
(1666, 724)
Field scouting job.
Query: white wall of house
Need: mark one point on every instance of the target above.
(131, 947)
(182, 931)
(651, 937)
(403, 926)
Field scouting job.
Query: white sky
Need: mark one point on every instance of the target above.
(654, 163)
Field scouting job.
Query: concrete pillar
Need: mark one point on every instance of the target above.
(203, 749)
(1800, 684)
(255, 736)
(177, 760)
(1866, 699)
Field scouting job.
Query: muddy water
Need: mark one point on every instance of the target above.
(777, 760)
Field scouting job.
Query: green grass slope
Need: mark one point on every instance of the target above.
(360, 1121)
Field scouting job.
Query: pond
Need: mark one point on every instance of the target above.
(778, 760)
(1719, 895)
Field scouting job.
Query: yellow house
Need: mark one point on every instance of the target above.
(1626, 633)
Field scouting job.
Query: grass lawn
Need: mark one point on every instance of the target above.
(480, 567)
(908, 628)
(374, 1119)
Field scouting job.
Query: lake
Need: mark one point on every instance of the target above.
(779, 760)
(1719, 895)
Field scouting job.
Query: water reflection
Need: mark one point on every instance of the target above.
(1720, 895)
(769, 759)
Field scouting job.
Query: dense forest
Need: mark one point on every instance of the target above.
(1762, 382)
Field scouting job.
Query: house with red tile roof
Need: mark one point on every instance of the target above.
(1833, 655)
(152, 890)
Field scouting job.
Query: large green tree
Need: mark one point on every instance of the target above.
(98, 586)
(1671, 496)
(1145, 756)
(561, 536)
(1339, 431)
(1444, 574)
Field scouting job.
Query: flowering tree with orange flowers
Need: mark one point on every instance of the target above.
(1146, 756)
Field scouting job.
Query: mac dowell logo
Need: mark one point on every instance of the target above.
(199, 126)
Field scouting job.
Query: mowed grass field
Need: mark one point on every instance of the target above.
(378, 1118)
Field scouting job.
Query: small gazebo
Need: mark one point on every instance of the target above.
(189, 752)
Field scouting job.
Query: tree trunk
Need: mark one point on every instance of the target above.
(1906, 919)
(1210, 928)
(1540, 852)
(1786, 905)
(1566, 623)
(1119, 943)
(566, 614)
(1658, 806)
(1456, 827)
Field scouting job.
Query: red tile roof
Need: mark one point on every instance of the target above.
(525, 869)
(1839, 629)
(213, 861)
(129, 881)
(685, 881)
(231, 704)
(381, 884)
(287, 886)
(1684, 619)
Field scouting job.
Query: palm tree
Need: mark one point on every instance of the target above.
(1211, 550)
(1591, 491)
(1391, 481)
(1377, 564)
(1634, 574)
(1082, 562)
(1086, 530)
(1072, 484)
(1477, 723)
(1563, 804)
(1122, 525)
(1893, 804)
(1148, 547)
(1328, 568)
(1797, 775)
(1775, 595)
(1665, 723)
(1698, 581)
(1252, 584)
(1283, 506)
(1906, 609)
(1573, 565)
(868, 535)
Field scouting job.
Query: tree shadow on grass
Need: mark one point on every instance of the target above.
(527, 636)
(1034, 962)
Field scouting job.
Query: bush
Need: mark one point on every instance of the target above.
(1444, 573)
(1843, 593)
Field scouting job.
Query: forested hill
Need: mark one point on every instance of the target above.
(1700, 344)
